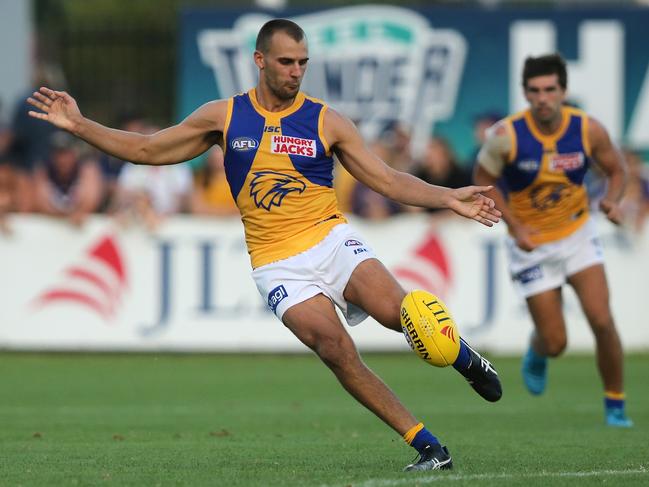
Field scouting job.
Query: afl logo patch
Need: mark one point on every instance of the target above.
(243, 144)
(528, 165)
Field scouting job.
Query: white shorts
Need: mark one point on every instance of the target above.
(549, 265)
(324, 268)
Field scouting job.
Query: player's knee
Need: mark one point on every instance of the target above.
(601, 323)
(337, 351)
(556, 346)
(391, 316)
(393, 320)
(552, 339)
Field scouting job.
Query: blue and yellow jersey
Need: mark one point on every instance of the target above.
(280, 171)
(545, 174)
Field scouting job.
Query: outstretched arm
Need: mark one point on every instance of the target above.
(190, 138)
(352, 152)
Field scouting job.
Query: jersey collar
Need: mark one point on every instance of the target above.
(297, 103)
(548, 140)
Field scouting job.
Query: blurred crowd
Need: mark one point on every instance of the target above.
(50, 172)
(47, 171)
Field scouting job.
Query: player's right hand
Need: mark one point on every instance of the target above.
(612, 211)
(56, 107)
(469, 202)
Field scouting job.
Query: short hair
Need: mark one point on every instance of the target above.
(266, 32)
(545, 65)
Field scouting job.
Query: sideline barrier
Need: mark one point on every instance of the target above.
(188, 287)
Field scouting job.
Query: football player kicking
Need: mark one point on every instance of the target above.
(279, 146)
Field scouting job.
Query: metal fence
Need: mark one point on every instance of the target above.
(115, 68)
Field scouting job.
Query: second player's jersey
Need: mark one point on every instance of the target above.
(280, 171)
(545, 174)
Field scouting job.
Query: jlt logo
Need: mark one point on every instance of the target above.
(209, 286)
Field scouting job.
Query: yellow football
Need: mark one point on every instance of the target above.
(429, 328)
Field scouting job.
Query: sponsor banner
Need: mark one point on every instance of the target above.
(566, 162)
(188, 287)
(283, 144)
(435, 69)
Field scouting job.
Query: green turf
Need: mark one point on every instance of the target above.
(235, 420)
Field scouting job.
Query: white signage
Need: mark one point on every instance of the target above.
(376, 64)
(188, 287)
(595, 79)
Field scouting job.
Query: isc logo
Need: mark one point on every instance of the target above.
(358, 251)
(275, 297)
(272, 128)
(243, 144)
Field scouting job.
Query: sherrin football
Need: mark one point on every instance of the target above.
(429, 328)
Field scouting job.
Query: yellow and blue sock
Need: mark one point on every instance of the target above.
(463, 360)
(419, 438)
(614, 400)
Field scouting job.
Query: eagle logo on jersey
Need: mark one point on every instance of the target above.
(549, 195)
(269, 188)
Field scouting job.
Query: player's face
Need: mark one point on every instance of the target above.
(545, 96)
(283, 66)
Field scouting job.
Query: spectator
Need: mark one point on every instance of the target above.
(7, 179)
(439, 166)
(68, 184)
(481, 123)
(212, 194)
(7, 196)
(393, 146)
(6, 137)
(110, 166)
(30, 139)
(147, 194)
(367, 203)
(396, 139)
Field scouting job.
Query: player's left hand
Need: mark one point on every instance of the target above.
(469, 202)
(612, 211)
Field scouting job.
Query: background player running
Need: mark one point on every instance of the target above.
(543, 154)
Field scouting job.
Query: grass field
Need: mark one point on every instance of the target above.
(264, 420)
